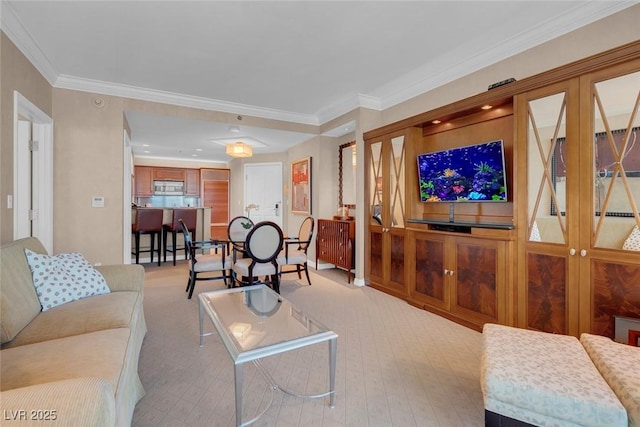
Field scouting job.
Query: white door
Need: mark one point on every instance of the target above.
(32, 199)
(263, 192)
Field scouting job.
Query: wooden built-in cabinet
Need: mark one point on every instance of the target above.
(168, 174)
(143, 177)
(580, 190)
(215, 193)
(386, 185)
(459, 277)
(192, 182)
(335, 244)
(551, 258)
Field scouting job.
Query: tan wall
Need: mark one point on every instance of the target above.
(16, 73)
(88, 156)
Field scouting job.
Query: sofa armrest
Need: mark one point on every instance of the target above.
(123, 277)
(73, 402)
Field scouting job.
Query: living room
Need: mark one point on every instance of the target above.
(88, 157)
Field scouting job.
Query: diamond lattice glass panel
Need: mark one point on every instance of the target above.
(397, 181)
(375, 183)
(546, 169)
(616, 160)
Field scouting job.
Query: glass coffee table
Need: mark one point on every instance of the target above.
(255, 322)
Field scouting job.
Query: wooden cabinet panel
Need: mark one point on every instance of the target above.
(546, 293)
(215, 193)
(143, 177)
(462, 278)
(168, 174)
(615, 293)
(335, 243)
(429, 282)
(192, 182)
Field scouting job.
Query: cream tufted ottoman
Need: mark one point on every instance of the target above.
(544, 380)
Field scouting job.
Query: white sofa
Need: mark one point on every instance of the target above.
(542, 379)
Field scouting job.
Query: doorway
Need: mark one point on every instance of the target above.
(263, 192)
(32, 199)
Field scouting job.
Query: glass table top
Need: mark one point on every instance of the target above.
(254, 322)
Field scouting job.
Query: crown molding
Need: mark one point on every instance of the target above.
(585, 13)
(12, 26)
(144, 94)
(389, 95)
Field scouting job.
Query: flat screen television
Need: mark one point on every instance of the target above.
(474, 173)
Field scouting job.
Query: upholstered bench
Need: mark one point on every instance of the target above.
(619, 365)
(543, 379)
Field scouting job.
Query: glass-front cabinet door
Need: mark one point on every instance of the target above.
(550, 161)
(387, 206)
(610, 223)
(579, 203)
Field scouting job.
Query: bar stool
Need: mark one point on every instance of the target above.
(189, 218)
(148, 221)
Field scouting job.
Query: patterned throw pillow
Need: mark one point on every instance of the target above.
(633, 241)
(535, 233)
(64, 278)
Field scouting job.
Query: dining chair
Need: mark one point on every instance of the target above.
(147, 221)
(190, 217)
(218, 261)
(262, 246)
(297, 256)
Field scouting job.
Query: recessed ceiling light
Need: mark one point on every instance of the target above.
(487, 107)
(198, 149)
(146, 151)
(145, 145)
(436, 122)
(194, 155)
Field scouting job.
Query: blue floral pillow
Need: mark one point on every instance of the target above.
(64, 278)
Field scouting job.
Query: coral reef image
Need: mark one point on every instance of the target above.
(471, 173)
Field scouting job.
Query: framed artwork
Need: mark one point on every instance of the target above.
(301, 186)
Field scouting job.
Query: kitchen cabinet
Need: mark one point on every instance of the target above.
(143, 177)
(192, 182)
(336, 244)
(168, 174)
(459, 277)
(215, 193)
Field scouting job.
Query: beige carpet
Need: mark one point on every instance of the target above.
(396, 365)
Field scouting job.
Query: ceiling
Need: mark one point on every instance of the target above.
(304, 62)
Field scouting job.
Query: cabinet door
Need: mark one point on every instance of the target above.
(477, 271)
(429, 285)
(192, 182)
(386, 178)
(610, 180)
(143, 176)
(168, 174)
(548, 209)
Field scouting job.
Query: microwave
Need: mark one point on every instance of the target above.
(168, 188)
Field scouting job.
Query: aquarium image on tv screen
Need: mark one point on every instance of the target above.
(474, 173)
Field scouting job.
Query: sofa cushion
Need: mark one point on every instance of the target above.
(64, 278)
(113, 310)
(98, 354)
(544, 379)
(86, 402)
(19, 303)
(619, 365)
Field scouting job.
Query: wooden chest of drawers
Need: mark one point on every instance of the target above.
(336, 243)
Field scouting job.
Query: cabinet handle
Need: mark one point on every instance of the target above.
(583, 253)
(450, 272)
(446, 272)
(572, 251)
